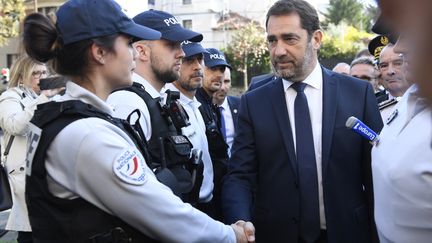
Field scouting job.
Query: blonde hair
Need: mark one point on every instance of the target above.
(21, 70)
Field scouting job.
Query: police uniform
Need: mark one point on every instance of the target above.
(196, 134)
(402, 173)
(386, 107)
(125, 102)
(97, 161)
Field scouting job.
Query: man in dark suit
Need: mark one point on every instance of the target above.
(260, 80)
(296, 171)
(228, 106)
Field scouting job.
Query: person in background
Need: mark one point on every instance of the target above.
(228, 105)
(92, 183)
(412, 19)
(17, 105)
(342, 68)
(364, 68)
(394, 77)
(215, 65)
(190, 79)
(393, 70)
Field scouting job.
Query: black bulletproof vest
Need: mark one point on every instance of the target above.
(211, 116)
(169, 150)
(55, 219)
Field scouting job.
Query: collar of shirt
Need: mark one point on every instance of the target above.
(314, 79)
(184, 100)
(225, 104)
(76, 92)
(148, 87)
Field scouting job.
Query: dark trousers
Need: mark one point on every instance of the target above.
(24, 237)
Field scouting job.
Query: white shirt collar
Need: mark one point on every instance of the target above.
(76, 92)
(148, 87)
(314, 79)
(225, 104)
(183, 98)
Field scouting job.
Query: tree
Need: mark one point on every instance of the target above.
(350, 11)
(342, 42)
(247, 52)
(11, 13)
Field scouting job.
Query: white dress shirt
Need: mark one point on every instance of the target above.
(197, 136)
(314, 94)
(229, 124)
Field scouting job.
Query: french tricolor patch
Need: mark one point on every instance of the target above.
(129, 166)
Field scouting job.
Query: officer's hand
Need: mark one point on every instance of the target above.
(244, 231)
(51, 92)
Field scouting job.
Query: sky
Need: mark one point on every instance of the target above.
(134, 7)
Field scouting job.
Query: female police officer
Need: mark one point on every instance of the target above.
(90, 183)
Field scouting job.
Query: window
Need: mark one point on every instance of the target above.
(186, 2)
(187, 23)
(10, 58)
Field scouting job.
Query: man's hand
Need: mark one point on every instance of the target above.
(244, 231)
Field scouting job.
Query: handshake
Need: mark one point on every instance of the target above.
(244, 231)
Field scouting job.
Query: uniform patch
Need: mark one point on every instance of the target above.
(129, 166)
(34, 136)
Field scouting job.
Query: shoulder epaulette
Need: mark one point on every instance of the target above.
(387, 103)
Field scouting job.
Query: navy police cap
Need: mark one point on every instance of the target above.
(168, 25)
(85, 19)
(192, 48)
(214, 57)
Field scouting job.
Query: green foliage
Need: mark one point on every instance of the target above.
(351, 12)
(343, 41)
(247, 52)
(11, 13)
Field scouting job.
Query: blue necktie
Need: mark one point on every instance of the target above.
(222, 121)
(307, 170)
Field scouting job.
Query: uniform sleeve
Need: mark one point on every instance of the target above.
(16, 113)
(124, 102)
(89, 168)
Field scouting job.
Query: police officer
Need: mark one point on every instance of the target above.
(393, 73)
(375, 46)
(402, 172)
(215, 65)
(158, 63)
(191, 77)
(88, 180)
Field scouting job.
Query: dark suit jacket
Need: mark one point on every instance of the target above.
(234, 103)
(260, 80)
(262, 181)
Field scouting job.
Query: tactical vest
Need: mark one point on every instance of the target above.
(217, 147)
(55, 219)
(170, 151)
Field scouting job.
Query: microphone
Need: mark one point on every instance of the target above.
(360, 128)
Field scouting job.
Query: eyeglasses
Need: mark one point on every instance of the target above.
(38, 74)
